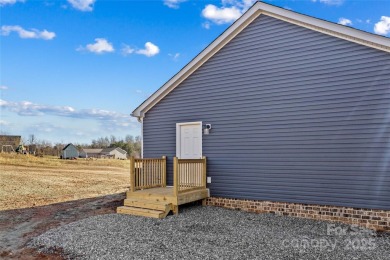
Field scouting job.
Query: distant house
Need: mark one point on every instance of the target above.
(113, 153)
(9, 143)
(69, 151)
(90, 153)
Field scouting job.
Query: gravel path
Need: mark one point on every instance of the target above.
(212, 233)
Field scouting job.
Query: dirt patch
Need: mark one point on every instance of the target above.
(37, 194)
(23, 186)
(18, 226)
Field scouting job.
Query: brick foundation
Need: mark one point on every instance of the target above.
(374, 219)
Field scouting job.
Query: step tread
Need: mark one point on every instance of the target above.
(142, 209)
(147, 201)
(141, 212)
(147, 204)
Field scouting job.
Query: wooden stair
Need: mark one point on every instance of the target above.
(145, 207)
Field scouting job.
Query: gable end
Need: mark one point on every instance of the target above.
(260, 8)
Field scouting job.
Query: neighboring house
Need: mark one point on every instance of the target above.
(299, 113)
(9, 143)
(70, 151)
(113, 153)
(90, 153)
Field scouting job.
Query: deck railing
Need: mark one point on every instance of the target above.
(147, 173)
(188, 174)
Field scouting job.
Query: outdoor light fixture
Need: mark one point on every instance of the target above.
(206, 129)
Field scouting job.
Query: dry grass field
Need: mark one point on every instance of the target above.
(27, 181)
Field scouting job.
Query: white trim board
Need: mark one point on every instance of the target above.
(142, 139)
(260, 8)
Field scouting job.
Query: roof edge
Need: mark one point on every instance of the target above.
(195, 63)
(333, 29)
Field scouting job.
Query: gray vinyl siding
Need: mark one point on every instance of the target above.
(297, 116)
(70, 152)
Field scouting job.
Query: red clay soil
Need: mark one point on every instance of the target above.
(18, 226)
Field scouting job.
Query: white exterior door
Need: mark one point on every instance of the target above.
(189, 140)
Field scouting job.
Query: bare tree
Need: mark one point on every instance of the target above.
(31, 139)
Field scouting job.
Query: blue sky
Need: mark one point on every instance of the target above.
(74, 70)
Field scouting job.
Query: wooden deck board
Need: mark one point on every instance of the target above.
(190, 196)
(142, 203)
(161, 191)
(142, 212)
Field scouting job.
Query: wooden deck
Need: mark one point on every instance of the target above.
(150, 197)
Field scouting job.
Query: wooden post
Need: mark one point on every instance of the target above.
(176, 210)
(175, 177)
(204, 171)
(132, 174)
(164, 172)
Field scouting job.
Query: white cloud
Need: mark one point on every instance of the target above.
(367, 21)
(206, 25)
(383, 26)
(150, 50)
(100, 46)
(175, 56)
(27, 108)
(3, 103)
(173, 3)
(345, 21)
(241, 4)
(126, 50)
(110, 121)
(330, 2)
(230, 11)
(62, 123)
(25, 34)
(2, 87)
(82, 5)
(3, 122)
(221, 15)
(9, 2)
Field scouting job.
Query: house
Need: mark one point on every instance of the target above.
(9, 143)
(292, 113)
(69, 152)
(90, 153)
(114, 153)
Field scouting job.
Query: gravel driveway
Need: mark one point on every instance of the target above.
(212, 233)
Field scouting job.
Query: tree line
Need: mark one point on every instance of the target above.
(132, 145)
